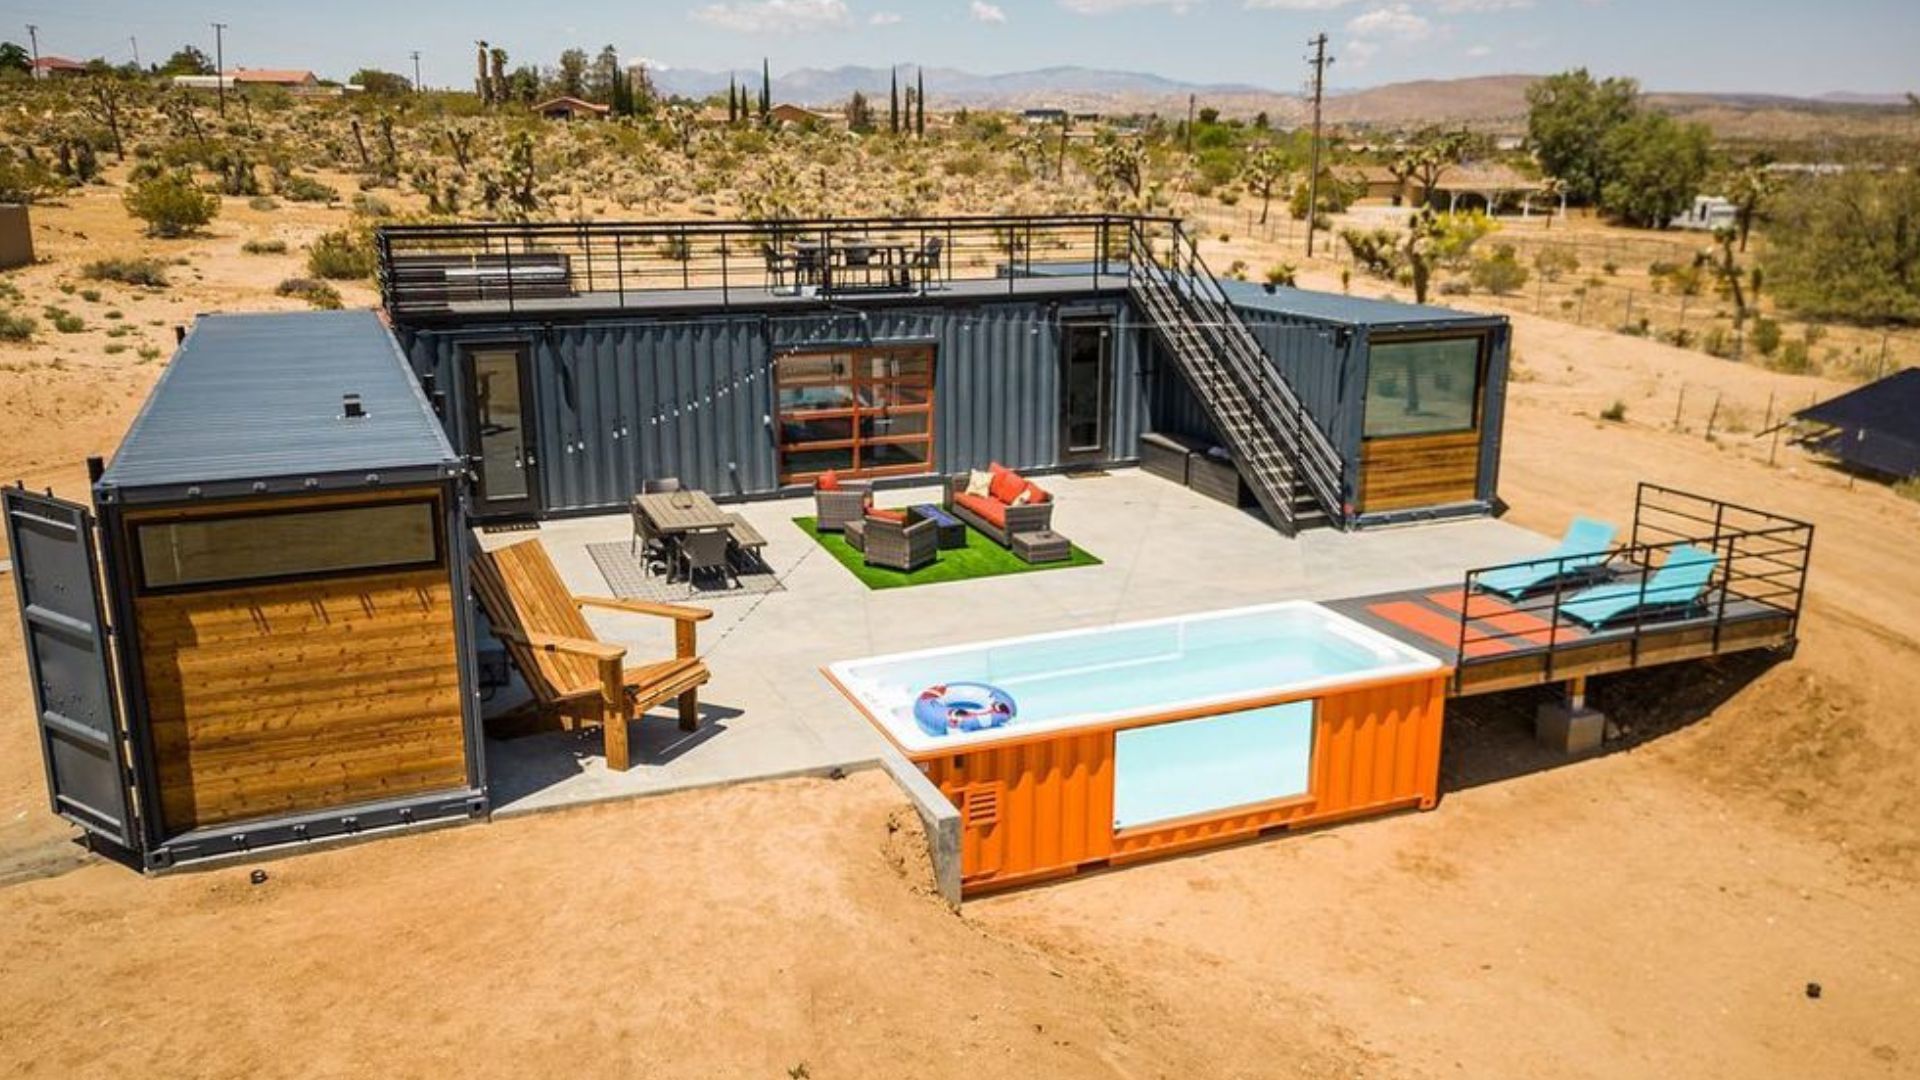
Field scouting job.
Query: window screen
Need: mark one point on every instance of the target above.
(300, 543)
(1423, 387)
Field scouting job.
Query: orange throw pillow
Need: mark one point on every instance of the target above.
(1006, 486)
(827, 481)
(896, 517)
(1036, 495)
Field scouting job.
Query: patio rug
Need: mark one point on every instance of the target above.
(627, 580)
(981, 558)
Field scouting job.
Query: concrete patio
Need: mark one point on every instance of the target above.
(769, 712)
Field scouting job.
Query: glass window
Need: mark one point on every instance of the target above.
(297, 543)
(1426, 387)
(861, 411)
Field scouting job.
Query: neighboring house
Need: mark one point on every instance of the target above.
(1708, 212)
(1488, 187)
(57, 67)
(298, 81)
(1376, 183)
(786, 114)
(1044, 116)
(572, 108)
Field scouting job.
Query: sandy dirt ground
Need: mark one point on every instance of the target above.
(1658, 911)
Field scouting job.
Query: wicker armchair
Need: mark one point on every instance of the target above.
(833, 509)
(1030, 518)
(904, 547)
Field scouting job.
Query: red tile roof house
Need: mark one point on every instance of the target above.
(52, 67)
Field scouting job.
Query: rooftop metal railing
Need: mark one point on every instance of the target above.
(1760, 571)
(427, 270)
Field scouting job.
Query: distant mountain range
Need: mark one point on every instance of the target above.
(1486, 99)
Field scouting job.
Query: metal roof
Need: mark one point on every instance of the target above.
(1341, 308)
(258, 397)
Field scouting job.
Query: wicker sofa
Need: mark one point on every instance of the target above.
(995, 517)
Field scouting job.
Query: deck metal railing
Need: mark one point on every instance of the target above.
(426, 269)
(1760, 572)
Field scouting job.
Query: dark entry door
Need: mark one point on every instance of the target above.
(54, 571)
(500, 431)
(1086, 410)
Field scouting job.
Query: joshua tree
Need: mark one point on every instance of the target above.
(498, 57)
(1749, 189)
(1427, 157)
(1265, 170)
(1719, 260)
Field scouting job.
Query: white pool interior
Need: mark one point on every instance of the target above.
(1079, 677)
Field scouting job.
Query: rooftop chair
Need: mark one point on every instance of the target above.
(574, 676)
(1583, 551)
(925, 262)
(1677, 585)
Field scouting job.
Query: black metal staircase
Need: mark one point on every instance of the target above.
(1285, 459)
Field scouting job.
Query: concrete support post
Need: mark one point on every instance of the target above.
(1567, 725)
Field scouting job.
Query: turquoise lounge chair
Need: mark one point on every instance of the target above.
(1582, 550)
(1677, 584)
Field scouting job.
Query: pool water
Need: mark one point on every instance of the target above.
(1061, 679)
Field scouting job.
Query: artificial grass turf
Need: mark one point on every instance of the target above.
(981, 558)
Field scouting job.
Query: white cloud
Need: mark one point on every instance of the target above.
(1107, 7)
(1478, 51)
(774, 16)
(981, 11)
(1396, 23)
(883, 18)
(1298, 5)
(1456, 7)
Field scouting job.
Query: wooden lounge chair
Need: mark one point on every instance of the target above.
(574, 676)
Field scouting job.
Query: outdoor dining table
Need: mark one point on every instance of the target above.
(821, 261)
(684, 511)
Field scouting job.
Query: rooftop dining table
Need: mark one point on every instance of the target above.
(821, 260)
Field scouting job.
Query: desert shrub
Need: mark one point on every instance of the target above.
(1718, 342)
(262, 203)
(1553, 262)
(16, 327)
(1796, 358)
(372, 206)
(1679, 337)
(1454, 236)
(149, 272)
(25, 180)
(1499, 273)
(317, 293)
(264, 247)
(65, 321)
(1610, 268)
(1766, 336)
(297, 188)
(171, 205)
(91, 296)
(1614, 413)
(1282, 274)
(1908, 488)
(1456, 287)
(341, 255)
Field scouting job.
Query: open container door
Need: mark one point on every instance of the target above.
(55, 573)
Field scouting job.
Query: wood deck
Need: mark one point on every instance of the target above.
(1509, 647)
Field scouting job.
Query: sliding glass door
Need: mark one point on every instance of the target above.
(858, 412)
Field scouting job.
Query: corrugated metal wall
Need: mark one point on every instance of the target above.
(620, 401)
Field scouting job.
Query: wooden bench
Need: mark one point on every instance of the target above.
(746, 539)
(574, 676)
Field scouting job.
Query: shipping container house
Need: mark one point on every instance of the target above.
(578, 361)
(270, 639)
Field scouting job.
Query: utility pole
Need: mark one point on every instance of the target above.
(33, 35)
(416, 70)
(1320, 61)
(1189, 149)
(135, 42)
(220, 66)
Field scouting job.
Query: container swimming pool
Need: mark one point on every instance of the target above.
(1135, 739)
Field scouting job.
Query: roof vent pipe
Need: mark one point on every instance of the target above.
(351, 408)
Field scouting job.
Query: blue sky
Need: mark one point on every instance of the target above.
(1759, 45)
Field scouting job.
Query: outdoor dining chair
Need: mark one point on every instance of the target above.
(703, 552)
(661, 486)
(926, 261)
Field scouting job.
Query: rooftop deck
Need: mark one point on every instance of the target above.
(769, 712)
(437, 272)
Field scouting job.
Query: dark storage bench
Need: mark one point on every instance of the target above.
(1166, 455)
(1212, 474)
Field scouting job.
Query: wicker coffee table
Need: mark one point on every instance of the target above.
(1042, 547)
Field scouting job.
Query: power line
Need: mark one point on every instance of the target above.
(1320, 60)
